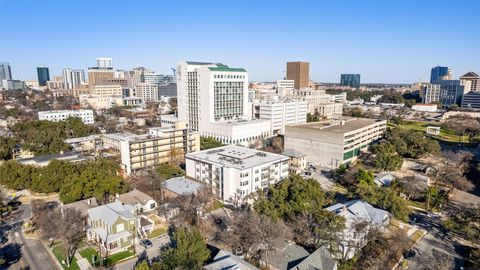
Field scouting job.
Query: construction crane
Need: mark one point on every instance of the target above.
(174, 71)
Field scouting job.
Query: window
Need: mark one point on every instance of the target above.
(120, 227)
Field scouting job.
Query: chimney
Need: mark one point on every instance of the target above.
(89, 201)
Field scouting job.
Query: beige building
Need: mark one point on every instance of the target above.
(329, 110)
(471, 82)
(100, 76)
(300, 73)
(335, 142)
(161, 145)
(114, 90)
(297, 162)
(312, 97)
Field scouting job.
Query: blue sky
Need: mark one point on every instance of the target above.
(383, 40)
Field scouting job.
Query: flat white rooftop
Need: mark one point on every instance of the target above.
(236, 157)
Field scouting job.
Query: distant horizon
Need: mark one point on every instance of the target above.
(387, 42)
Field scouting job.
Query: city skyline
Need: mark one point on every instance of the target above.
(340, 37)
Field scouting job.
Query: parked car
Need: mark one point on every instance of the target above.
(146, 243)
(410, 254)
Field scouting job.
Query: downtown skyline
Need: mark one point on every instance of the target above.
(385, 41)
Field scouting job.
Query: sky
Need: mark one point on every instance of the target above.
(386, 41)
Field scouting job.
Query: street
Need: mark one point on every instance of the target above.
(436, 250)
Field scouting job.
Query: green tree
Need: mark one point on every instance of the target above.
(7, 144)
(167, 171)
(386, 157)
(189, 252)
(208, 143)
(142, 266)
(411, 144)
(365, 177)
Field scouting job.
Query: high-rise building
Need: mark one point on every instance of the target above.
(73, 77)
(471, 82)
(43, 76)
(148, 92)
(285, 87)
(159, 79)
(440, 74)
(137, 75)
(350, 80)
(281, 113)
(98, 76)
(300, 73)
(104, 63)
(5, 71)
(446, 92)
(219, 90)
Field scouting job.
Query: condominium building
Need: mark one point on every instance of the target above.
(61, 115)
(335, 142)
(471, 100)
(137, 75)
(447, 92)
(471, 82)
(350, 80)
(281, 113)
(440, 74)
(5, 71)
(73, 78)
(246, 133)
(159, 79)
(235, 172)
(111, 90)
(161, 145)
(299, 72)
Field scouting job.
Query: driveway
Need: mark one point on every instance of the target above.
(151, 253)
(323, 180)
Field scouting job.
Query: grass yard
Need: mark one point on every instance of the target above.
(111, 260)
(157, 232)
(445, 135)
(60, 255)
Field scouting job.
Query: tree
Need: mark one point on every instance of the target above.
(189, 250)
(7, 145)
(386, 157)
(452, 171)
(209, 143)
(5, 208)
(193, 205)
(365, 177)
(463, 125)
(142, 266)
(255, 234)
(411, 144)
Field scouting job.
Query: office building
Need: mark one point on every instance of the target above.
(312, 97)
(97, 76)
(161, 145)
(137, 75)
(471, 100)
(168, 90)
(440, 74)
(329, 110)
(281, 113)
(470, 82)
(5, 71)
(107, 90)
(300, 73)
(350, 80)
(104, 63)
(73, 78)
(62, 115)
(335, 142)
(159, 79)
(12, 85)
(285, 87)
(147, 91)
(43, 75)
(235, 172)
(446, 92)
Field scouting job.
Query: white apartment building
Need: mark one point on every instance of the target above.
(73, 77)
(147, 91)
(281, 113)
(235, 172)
(239, 132)
(341, 98)
(114, 90)
(56, 116)
(213, 98)
(334, 142)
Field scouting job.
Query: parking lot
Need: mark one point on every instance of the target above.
(316, 172)
(157, 243)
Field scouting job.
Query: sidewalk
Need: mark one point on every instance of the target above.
(82, 262)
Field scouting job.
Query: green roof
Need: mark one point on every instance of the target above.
(221, 67)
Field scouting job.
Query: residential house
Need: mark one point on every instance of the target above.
(360, 218)
(384, 179)
(116, 226)
(82, 205)
(294, 257)
(179, 186)
(141, 201)
(225, 260)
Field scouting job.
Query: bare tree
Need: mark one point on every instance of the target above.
(452, 172)
(194, 205)
(71, 229)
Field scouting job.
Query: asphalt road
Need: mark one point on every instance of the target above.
(436, 250)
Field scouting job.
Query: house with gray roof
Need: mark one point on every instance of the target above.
(180, 186)
(116, 226)
(291, 256)
(142, 202)
(360, 218)
(225, 260)
(384, 179)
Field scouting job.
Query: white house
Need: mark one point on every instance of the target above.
(360, 218)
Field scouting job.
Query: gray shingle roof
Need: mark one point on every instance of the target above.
(358, 209)
(111, 212)
(181, 185)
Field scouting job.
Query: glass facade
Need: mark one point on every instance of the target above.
(350, 80)
(43, 76)
(438, 74)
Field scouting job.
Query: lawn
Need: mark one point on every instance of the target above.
(445, 135)
(157, 232)
(60, 255)
(111, 260)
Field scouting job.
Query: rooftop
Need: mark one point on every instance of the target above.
(181, 185)
(292, 153)
(69, 156)
(236, 157)
(111, 212)
(134, 196)
(343, 126)
(358, 209)
(221, 67)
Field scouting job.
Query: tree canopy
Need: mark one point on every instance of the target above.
(411, 144)
(208, 143)
(386, 157)
(74, 181)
